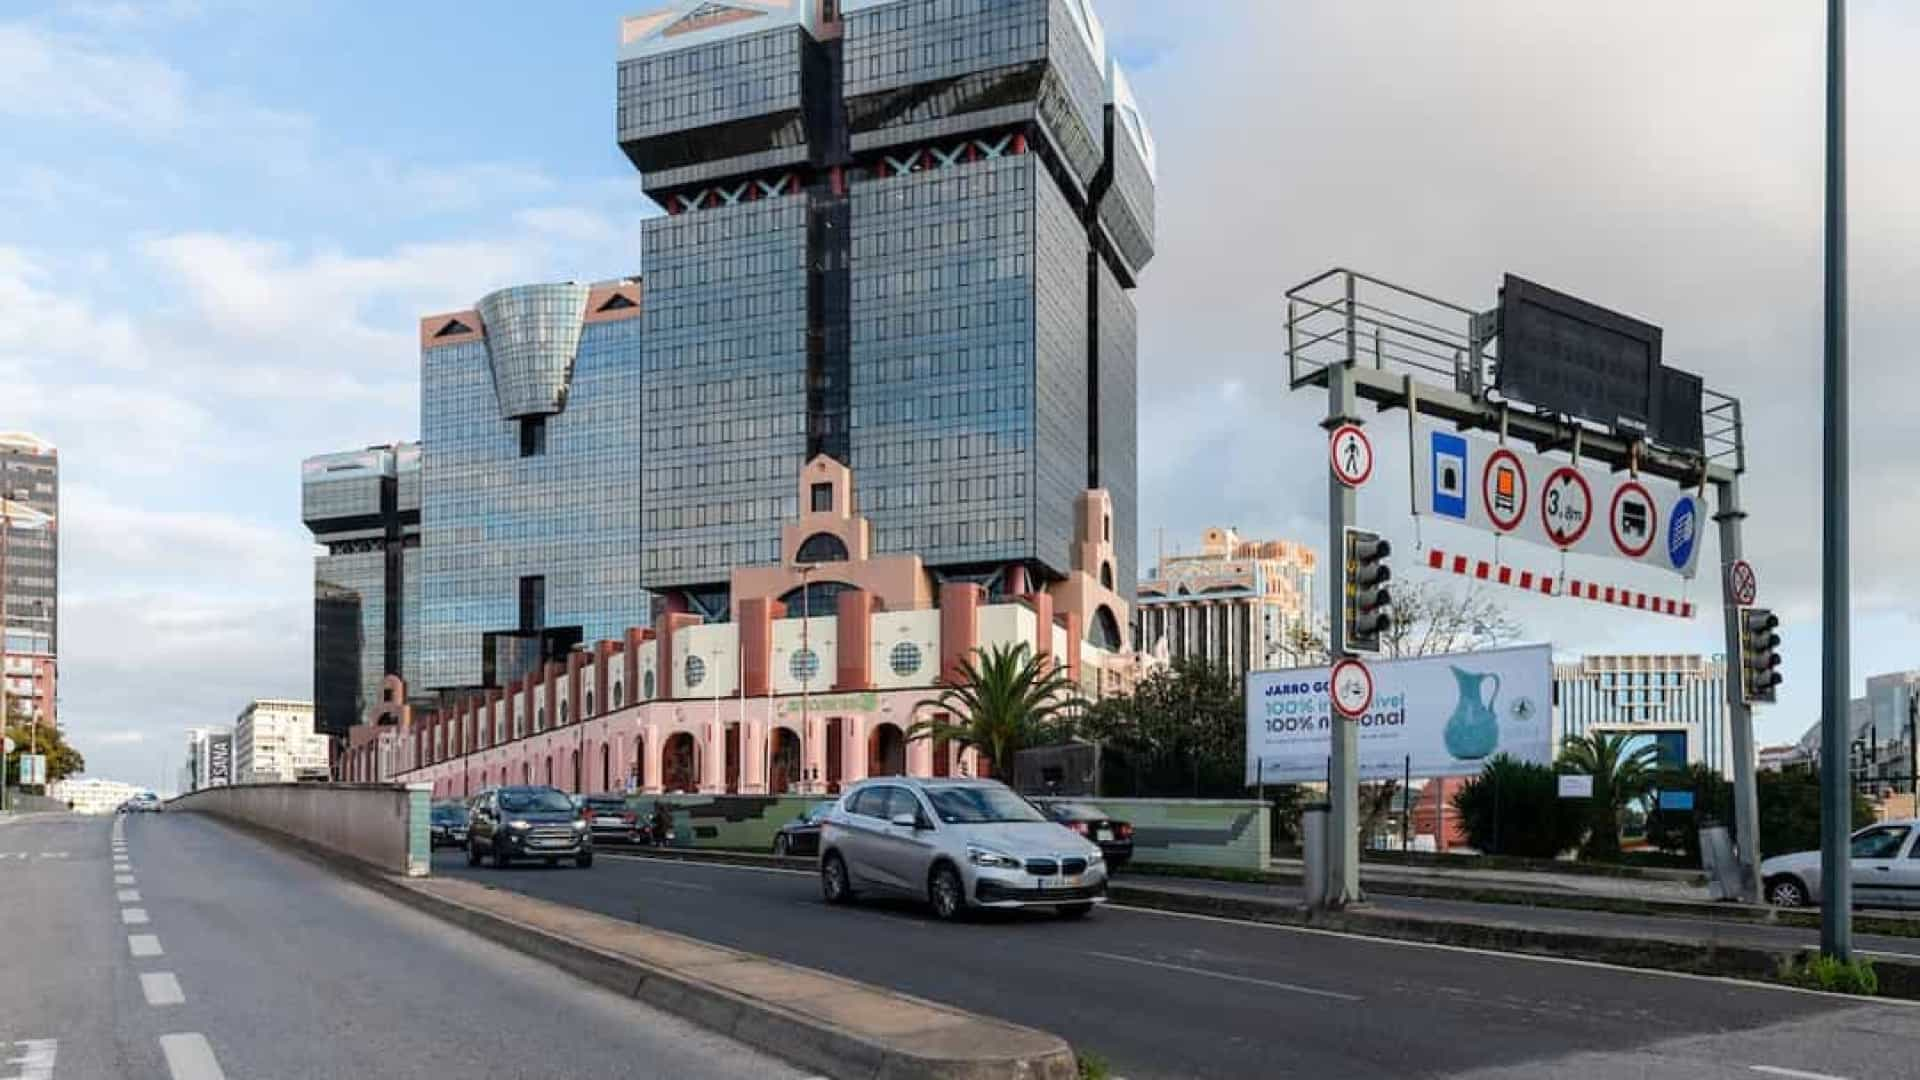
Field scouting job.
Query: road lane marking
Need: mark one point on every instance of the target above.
(161, 988)
(690, 885)
(129, 896)
(144, 945)
(36, 1059)
(1532, 958)
(704, 865)
(1883, 952)
(133, 916)
(1229, 978)
(124, 879)
(1775, 1070)
(190, 1057)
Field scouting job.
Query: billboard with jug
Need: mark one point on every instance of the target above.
(1441, 715)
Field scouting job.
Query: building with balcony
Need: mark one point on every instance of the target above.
(30, 575)
(363, 508)
(1244, 605)
(93, 795)
(274, 743)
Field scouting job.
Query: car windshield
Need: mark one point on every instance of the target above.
(1077, 811)
(448, 814)
(818, 814)
(541, 802)
(1880, 843)
(976, 805)
(607, 804)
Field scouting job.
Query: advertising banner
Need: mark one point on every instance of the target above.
(219, 760)
(33, 770)
(1441, 715)
(1509, 491)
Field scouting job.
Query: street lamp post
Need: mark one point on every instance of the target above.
(1836, 795)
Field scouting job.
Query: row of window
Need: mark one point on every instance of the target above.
(897, 452)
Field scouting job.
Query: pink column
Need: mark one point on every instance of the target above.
(853, 668)
(959, 626)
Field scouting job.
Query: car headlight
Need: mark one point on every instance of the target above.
(980, 856)
(579, 826)
(1096, 855)
(518, 826)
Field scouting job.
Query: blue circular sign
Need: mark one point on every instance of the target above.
(1683, 531)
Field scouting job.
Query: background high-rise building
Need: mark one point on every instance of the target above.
(274, 743)
(1245, 605)
(901, 238)
(1677, 701)
(209, 759)
(30, 622)
(364, 508)
(531, 421)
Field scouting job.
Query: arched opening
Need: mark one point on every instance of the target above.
(1106, 576)
(563, 713)
(526, 773)
(619, 695)
(680, 763)
(887, 751)
(577, 778)
(817, 598)
(786, 760)
(636, 777)
(606, 766)
(821, 547)
(549, 780)
(1106, 629)
(589, 711)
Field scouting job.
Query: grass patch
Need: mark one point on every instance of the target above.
(1815, 972)
(1093, 1066)
(1205, 873)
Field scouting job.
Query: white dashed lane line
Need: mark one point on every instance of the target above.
(129, 896)
(1794, 1074)
(161, 988)
(123, 879)
(32, 1059)
(190, 1057)
(144, 945)
(133, 916)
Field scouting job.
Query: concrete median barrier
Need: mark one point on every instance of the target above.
(384, 826)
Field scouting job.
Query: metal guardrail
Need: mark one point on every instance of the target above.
(1346, 317)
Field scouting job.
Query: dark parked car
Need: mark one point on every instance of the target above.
(1114, 837)
(612, 821)
(447, 826)
(527, 823)
(801, 836)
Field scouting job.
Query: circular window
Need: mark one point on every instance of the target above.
(646, 686)
(696, 671)
(905, 658)
(805, 665)
(589, 711)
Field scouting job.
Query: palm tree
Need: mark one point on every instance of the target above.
(1004, 701)
(1619, 777)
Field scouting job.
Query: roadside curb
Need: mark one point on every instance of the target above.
(941, 1042)
(1897, 980)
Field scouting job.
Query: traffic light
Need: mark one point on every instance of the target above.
(1759, 655)
(1368, 607)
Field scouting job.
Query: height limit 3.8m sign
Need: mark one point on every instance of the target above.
(1554, 503)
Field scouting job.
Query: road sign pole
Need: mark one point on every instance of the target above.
(1746, 798)
(1343, 780)
(1836, 794)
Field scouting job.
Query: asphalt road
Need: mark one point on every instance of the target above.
(1177, 996)
(268, 966)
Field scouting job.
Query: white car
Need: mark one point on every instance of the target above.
(1886, 869)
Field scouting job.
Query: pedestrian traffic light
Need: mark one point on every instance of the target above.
(1759, 655)
(1368, 607)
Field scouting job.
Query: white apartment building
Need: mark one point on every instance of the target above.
(274, 743)
(1677, 701)
(92, 795)
(1244, 605)
(209, 759)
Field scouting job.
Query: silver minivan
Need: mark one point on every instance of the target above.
(957, 844)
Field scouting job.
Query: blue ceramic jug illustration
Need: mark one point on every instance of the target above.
(1474, 730)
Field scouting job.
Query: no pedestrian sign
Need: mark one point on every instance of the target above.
(1351, 453)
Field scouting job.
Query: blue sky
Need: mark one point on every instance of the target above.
(221, 219)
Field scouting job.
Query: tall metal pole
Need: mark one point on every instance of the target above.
(1746, 798)
(1343, 779)
(1836, 794)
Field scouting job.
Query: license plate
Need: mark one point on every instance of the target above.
(1103, 835)
(1072, 881)
(610, 821)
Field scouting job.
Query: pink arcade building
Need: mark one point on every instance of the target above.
(774, 701)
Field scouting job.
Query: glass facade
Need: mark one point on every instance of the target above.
(491, 516)
(30, 474)
(1116, 419)
(725, 357)
(533, 334)
(736, 101)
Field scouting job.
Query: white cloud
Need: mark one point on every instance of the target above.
(55, 77)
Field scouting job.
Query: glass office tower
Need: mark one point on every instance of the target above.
(363, 506)
(900, 233)
(531, 422)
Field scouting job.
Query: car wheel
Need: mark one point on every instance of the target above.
(949, 897)
(583, 861)
(1786, 892)
(781, 847)
(1075, 911)
(501, 860)
(835, 886)
(473, 854)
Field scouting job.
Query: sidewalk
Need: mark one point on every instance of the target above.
(1643, 888)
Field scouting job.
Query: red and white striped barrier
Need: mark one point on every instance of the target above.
(1482, 570)
(1629, 598)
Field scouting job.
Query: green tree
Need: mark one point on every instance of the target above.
(1620, 775)
(1006, 700)
(1790, 811)
(1181, 732)
(62, 760)
(1514, 808)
